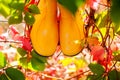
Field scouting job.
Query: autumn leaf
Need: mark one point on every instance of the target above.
(34, 1)
(2, 37)
(101, 56)
(25, 43)
(92, 41)
(13, 31)
(98, 53)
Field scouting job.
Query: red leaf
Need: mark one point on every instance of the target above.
(34, 2)
(13, 31)
(101, 56)
(2, 38)
(26, 44)
(107, 60)
(98, 53)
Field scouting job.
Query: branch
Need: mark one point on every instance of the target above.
(77, 74)
(112, 66)
(5, 41)
(51, 77)
(99, 31)
(7, 21)
(93, 23)
(104, 5)
(3, 21)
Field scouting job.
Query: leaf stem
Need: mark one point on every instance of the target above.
(112, 66)
(93, 24)
(5, 41)
(77, 74)
(51, 77)
(104, 5)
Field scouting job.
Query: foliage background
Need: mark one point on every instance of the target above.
(100, 62)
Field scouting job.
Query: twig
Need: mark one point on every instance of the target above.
(93, 22)
(3, 21)
(52, 77)
(7, 21)
(112, 66)
(104, 5)
(77, 74)
(5, 41)
(99, 31)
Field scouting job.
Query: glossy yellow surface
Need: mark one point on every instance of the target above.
(44, 33)
(71, 32)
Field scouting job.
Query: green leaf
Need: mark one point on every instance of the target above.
(90, 77)
(116, 55)
(6, 1)
(37, 65)
(33, 9)
(116, 28)
(115, 11)
(117, 58)
(24, 62)
(17, 6)
(2, 60)
(14, 74)
(21, 51)
(101, 19)
(79, 2)
(4, 10)
(3, 77)
(38, 57)
(103, 31)
(96, 68)
(114, 75)
(71, 5)
(16, 18)
(38, 61)
(29, 18)
(95, 77)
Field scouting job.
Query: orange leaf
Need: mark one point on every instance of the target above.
(92, 41)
